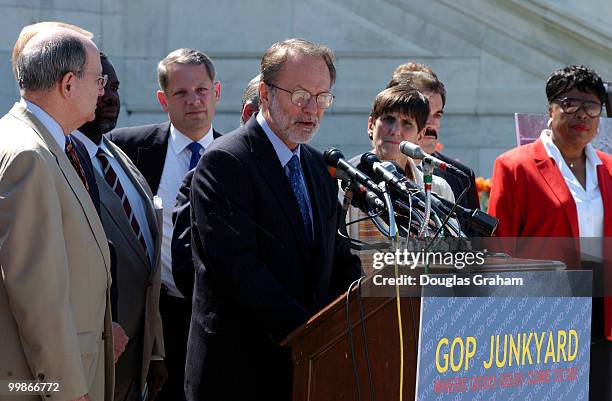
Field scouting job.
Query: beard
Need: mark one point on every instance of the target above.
(289, 129)
(105, 126)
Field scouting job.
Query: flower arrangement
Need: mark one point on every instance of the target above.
(483, 186)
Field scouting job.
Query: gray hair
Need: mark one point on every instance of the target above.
(275, 57)
(251, 92)
(183, 56)
(43, 64)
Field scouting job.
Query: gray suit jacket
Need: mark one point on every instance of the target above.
(54, 293)
(138, 279)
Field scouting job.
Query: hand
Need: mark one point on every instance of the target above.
(120, 340)
(156, 378)
(83, 398)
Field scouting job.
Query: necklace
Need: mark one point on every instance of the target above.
(572, 165)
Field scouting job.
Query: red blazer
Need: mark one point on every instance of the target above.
(531, 199)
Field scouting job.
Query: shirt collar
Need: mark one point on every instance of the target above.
(282, 151)
(553, 151)
(92, 148)
(179, 141)
(47, 121)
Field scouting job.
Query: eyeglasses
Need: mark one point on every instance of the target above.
(571, 105)
(301, 97)
(101, 80)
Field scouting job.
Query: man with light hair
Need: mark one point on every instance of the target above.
(164, 153)
(54, 294)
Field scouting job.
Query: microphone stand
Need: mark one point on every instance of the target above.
(428, 169)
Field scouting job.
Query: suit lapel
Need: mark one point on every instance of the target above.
(556, 184)
(145, 193)
(150, 159)
(71, 176)
(274, 175)
(112, 204)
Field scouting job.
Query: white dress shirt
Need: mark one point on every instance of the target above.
(588, 200)
(57, 132)
(176, 166)
(134, 197)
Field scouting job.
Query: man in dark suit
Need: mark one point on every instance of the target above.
(266, 249)
(426, 81)
(182, 260)
(164, 153)
(136, 237)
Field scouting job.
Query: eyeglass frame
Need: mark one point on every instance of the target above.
(562, 102)
(310, 96)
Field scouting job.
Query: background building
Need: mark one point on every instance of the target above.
(493, 55)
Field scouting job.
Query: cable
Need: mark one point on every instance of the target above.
(448, 216)
(400, 330)
(350, 335)
(365, 340)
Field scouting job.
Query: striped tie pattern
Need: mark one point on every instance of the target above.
(113, 181)
(74, 160)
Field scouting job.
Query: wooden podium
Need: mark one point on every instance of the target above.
(322, 361)
(321, 352)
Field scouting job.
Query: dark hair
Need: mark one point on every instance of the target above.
(574, 76)
(274, 58)
(423, 81)
(184, 56)
(403, 99)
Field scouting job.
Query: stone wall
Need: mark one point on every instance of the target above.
(493, 55)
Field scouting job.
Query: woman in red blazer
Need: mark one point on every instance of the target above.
(560, 186)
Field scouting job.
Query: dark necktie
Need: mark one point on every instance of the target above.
(74, 160)
(194, 147)
(296, 180)
(113, 181)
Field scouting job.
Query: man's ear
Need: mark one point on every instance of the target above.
(264, 94)
(217, 90)
(66, 84)
(161, 98)
(248, 110)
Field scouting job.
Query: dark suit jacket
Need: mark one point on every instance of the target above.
(146, 146)
(458, 184)
(182, 259)
(94, 194)
(256, 277)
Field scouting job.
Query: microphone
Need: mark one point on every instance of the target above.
(388, 173)
(477, 219)
(414, 151)
(370, 197)
(335, 158)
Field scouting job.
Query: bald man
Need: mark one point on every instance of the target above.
(54, 293)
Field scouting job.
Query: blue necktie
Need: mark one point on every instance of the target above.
(296, 179)
(194, 147)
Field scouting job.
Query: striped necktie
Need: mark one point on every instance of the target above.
(74, 160)
(113, 181)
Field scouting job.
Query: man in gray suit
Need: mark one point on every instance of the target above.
(133, 225)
